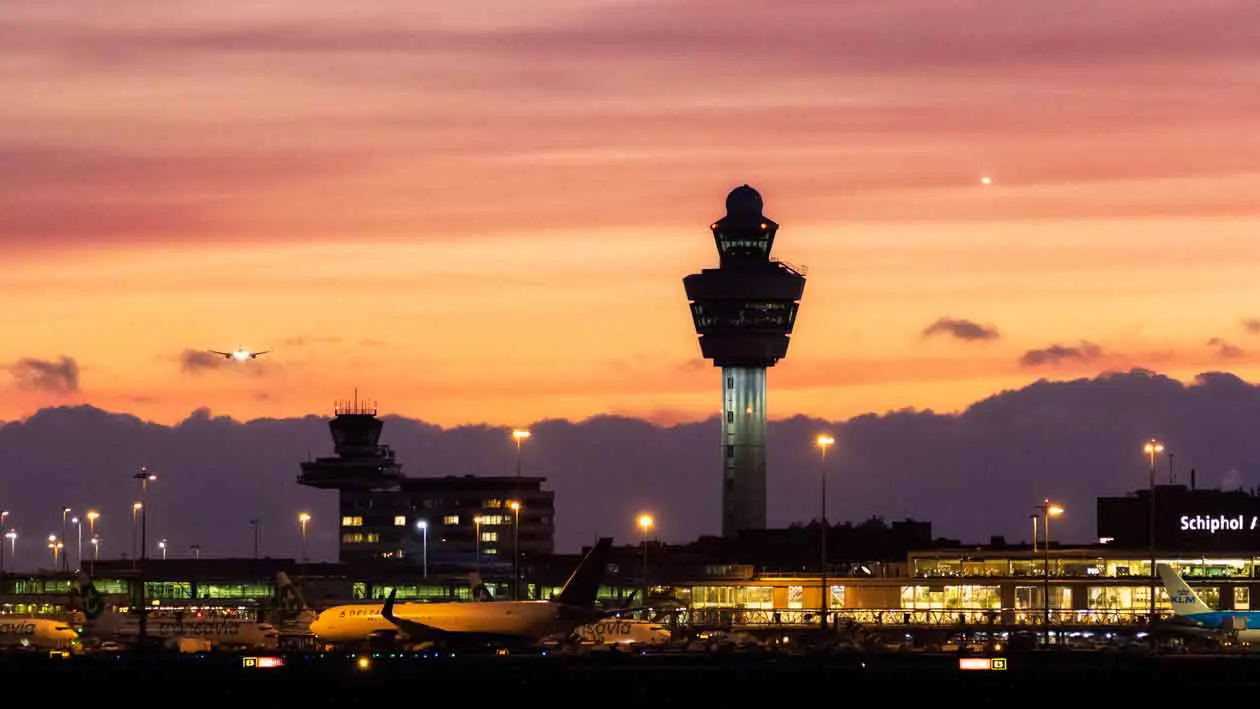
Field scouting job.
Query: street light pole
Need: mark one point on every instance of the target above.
(1048, 509)
(78, 548)
(519, 435)
(423, 525)
(824, 441)
(515, 506)
(645, 525)
(65, 512)
(135, 530)
(144, 477)
(477, 541)
(1152, 448)
(304, 518)
(4, 516)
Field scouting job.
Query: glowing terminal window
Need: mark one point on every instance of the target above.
(450, 520)
(352, 521)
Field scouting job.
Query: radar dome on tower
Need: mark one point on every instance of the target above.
(744, 201)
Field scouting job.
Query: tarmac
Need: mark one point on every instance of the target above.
(616, 679)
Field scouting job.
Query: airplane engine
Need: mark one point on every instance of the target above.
(385, 640)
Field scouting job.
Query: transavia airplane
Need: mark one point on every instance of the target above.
(218, 632)
(620, 631)
(459, 622)
(37, 633)
(1190, 608)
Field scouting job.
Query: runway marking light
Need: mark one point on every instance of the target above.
(982, 663)
(364, 663)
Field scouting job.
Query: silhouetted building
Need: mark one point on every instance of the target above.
(451, 507)
(744, 311)
(454, 521)
(1186, 519)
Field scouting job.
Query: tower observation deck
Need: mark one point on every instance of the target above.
(744, 311)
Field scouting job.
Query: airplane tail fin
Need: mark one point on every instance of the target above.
(288, 595)
(86, 598)
(480, 592)
(1184, 600)
(583, 586)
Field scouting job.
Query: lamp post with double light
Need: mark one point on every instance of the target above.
(1047, 509)
(144, 477)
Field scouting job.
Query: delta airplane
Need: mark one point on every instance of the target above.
(499, 622)
(1189, 607)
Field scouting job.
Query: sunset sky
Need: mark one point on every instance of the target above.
(483, 212)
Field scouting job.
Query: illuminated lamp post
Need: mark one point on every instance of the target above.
(304, 518)
(824, 441)
(519, 435)
(423, 526)
(646, 522)
(1151, 448)
(1048, 509)
(515, 506)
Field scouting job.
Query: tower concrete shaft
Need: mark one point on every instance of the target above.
(744, 311)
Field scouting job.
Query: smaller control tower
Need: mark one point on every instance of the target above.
(361, 463)
(744, 311)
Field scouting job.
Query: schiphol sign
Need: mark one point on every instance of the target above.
(1213, 524)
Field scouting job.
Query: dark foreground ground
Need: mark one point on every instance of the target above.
(319, 680)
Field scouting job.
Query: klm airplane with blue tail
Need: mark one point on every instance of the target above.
(1189, 607)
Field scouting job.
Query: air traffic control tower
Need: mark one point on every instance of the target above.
(744, 311)
(361, 463)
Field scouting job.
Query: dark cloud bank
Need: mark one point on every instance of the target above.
(972, 474)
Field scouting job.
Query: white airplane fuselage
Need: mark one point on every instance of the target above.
(620, 631)
(515, 619)
(220, 632)
(37, 633)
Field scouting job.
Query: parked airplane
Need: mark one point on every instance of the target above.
(1189, 607)
(498, 622)
(102, 625)
(622, 631)
(46, 632)
(37, 633)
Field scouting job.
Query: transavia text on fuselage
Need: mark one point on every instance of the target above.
(1218, 523)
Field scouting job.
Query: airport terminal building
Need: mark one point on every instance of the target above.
(941, 585)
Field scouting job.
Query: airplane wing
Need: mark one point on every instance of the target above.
(255, 354)
(414, 629)
(222, 354)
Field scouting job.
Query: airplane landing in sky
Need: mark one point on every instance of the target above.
(240, 354)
